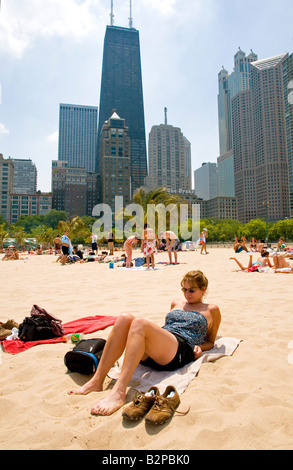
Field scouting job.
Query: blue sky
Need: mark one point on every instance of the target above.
(51, 53)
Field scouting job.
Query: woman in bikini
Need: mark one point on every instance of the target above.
(262, 262)
(190, 328)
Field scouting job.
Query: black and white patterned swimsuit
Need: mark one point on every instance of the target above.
(191, 326)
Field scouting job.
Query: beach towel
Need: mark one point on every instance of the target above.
(84, 325)
(145, 377)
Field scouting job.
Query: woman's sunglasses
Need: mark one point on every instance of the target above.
(191, 291)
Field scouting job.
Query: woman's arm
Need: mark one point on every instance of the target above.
(212, 332)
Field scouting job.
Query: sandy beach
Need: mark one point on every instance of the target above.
(244, 401)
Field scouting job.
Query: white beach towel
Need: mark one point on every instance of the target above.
(145, 377)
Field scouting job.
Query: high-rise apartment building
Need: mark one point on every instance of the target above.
(121, 89)
(288, 90)
(169, 158)
(78, 135)
(206, 181)
(25, 176)
(6, 185)
(74, 190)
(254, 135)
(259, 144)
(29, 204)
(230, 85)
(114, 155)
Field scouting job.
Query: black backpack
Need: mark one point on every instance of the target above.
(40, 325)
(85, 356)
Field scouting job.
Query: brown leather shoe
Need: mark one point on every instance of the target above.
(141, 405)
(164, 406)
(4, 333)
(9, 325)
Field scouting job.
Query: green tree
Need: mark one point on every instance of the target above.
(76, 227)
(53, 217)
(19, 234)
(44, 235)
(3, 234)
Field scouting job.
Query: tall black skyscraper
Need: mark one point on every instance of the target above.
(121, 89)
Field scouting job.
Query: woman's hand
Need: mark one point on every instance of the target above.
(197, 352)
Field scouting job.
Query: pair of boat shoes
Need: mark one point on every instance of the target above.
(6, 328)
(156, 408)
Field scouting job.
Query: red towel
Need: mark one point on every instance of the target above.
(84, 325)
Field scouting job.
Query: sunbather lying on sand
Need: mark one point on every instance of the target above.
(190, 328)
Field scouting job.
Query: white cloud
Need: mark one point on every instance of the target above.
(3, 129)
(166, 7)
(22, 23)
(53, 138)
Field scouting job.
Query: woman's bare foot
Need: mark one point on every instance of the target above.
(86, 388)
(109, 404)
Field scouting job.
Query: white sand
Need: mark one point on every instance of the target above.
(240, 402)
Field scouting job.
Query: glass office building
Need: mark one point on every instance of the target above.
(121, 89)
(78, 135)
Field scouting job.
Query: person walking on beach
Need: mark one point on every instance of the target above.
(203, 241)
(128, 245)
(190, 328)
(94, 245)
(66, 247)
(172, 245)
(149, 240)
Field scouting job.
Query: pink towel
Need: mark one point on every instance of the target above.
(84, 325)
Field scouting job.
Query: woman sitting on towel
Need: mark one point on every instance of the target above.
(190, 328)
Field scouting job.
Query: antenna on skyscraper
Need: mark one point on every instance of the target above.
(130, 16)
(112, 14)
(166, 121)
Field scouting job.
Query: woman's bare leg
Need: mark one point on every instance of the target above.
(128, 251)
(114, 348)
(280, 262)
(144, 339)
(241, 265)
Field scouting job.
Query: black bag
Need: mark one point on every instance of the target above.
(85, 356)
(40, 325)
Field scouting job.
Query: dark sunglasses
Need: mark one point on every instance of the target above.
(191, 291)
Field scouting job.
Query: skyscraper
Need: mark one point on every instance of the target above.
(169, 159)
(230, 86)
(288, 89)
(259, 144)
(206, 181)
(121, 89)
(78, 135)
(115, 161)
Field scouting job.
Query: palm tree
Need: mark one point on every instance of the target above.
(155, 203)
(19, 235)
(3, 234)
(76, 227)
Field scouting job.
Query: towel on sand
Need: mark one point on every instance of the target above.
(144, 377)
(84, 325)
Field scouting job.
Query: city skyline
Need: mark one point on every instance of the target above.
(184, 44)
